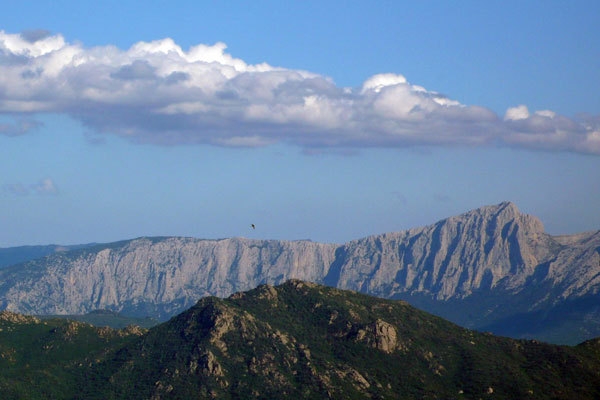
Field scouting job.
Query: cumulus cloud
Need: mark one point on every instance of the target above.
(157, 92)
(43, 187)
(517, 113)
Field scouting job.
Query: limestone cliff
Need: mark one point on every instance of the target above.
(451, 258)
(158, 277)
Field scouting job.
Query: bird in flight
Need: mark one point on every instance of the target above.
(253, 226)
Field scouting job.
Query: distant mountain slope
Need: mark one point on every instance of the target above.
(155, 276)
(20, 254)
(492, 268)
(302, 340)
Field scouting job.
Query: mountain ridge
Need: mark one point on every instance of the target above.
(476, 269)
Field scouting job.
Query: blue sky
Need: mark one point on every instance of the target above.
(322, 120)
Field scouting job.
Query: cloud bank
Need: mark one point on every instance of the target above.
(156, 92)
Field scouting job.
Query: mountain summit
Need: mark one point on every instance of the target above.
(492, 268)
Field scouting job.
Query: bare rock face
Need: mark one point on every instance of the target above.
(157, 276)
(451, 258)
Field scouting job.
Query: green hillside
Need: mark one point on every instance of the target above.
(301, 340)
(45, 359)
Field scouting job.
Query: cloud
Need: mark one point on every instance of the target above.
(19, 127)
(34, 35)
(156, 92)
(517, 113)
(136, 70)
(43, 187)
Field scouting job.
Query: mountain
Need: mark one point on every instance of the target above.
(16, 255)
(296, 340)
(493, 268)
(155, 276)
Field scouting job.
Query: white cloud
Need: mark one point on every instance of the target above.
(31, 46)
(546, 113)
(43, 187)
(516, 113)
(157, 92)
(378, 82)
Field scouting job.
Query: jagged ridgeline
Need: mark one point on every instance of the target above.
(297, 340)
(493, 268)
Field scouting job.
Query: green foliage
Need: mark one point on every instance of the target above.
(43, 359)
(102, 318)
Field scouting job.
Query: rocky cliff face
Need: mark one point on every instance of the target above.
(452, 258)
(494, 258)
(156, 276)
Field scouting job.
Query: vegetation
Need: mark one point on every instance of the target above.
(107, 318)
(297, 340)
(42, 359)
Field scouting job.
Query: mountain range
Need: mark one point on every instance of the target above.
(296, 340)
(492, 269)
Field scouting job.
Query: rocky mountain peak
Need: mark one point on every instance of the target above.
(498, 216)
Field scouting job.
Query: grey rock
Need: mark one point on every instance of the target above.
(156, 276)
(451, 258)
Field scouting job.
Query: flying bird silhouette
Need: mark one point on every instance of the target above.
(253, 227)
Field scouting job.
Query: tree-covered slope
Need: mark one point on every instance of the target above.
(46, 359)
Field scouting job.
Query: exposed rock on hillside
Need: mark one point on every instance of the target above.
(379, 335)
(7, 316)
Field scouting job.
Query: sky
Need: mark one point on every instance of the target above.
(322, 120)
